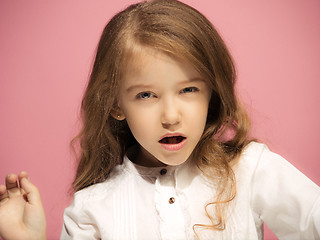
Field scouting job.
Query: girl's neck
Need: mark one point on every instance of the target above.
(138, 155)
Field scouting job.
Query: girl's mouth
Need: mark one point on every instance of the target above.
(172, 143)
(172, 140)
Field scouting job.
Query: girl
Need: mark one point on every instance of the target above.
(165, 152)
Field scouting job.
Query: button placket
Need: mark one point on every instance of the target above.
(168, 207)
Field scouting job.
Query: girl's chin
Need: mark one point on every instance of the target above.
(147, 159)
(174, 160)
(174, 163)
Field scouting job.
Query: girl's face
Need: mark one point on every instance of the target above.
(165, 103)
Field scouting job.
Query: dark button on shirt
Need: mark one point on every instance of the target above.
(163, 171)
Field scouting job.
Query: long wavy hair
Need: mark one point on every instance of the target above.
(176, 29)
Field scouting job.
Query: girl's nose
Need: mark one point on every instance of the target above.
(170, 114)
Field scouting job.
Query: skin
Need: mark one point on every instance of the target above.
(21, 211)
(161, 95)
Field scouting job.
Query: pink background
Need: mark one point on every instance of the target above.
(46, 50)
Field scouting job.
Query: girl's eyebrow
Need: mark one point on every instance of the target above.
(192, 80)
(146, 86)
(137, 86)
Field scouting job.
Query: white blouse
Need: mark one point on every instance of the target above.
(165, 203)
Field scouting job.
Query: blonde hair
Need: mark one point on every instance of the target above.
(179, 30)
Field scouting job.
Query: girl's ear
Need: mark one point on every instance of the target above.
(117, 114)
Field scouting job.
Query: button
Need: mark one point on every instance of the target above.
(163, 171)
(172, 200)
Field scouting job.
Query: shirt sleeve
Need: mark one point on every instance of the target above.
(285, 199)
(77, 223)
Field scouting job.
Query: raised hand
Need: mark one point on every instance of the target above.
(21, 210)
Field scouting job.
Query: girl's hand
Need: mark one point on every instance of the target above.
(21, 211)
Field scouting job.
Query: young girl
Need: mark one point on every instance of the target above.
(165, 152)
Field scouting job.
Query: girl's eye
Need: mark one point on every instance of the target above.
(145, 95)
(189, 90)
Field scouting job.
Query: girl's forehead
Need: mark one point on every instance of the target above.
(146, 59)
(138, 54)
(136, 60)
(140, 57)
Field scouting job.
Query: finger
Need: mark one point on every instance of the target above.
(12, 185)
(31, 191)
(21, 175)
(3, 193)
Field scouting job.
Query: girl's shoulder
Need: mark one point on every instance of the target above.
(255, 156)
(256, 152)
(264, 169)
(252, 154)
(254, 149)
(105, 189)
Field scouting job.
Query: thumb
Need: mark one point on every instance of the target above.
(31, 191)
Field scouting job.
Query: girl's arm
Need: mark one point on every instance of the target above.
(285, 199)
(21, 211)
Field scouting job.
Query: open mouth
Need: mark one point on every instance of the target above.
(172, 140)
